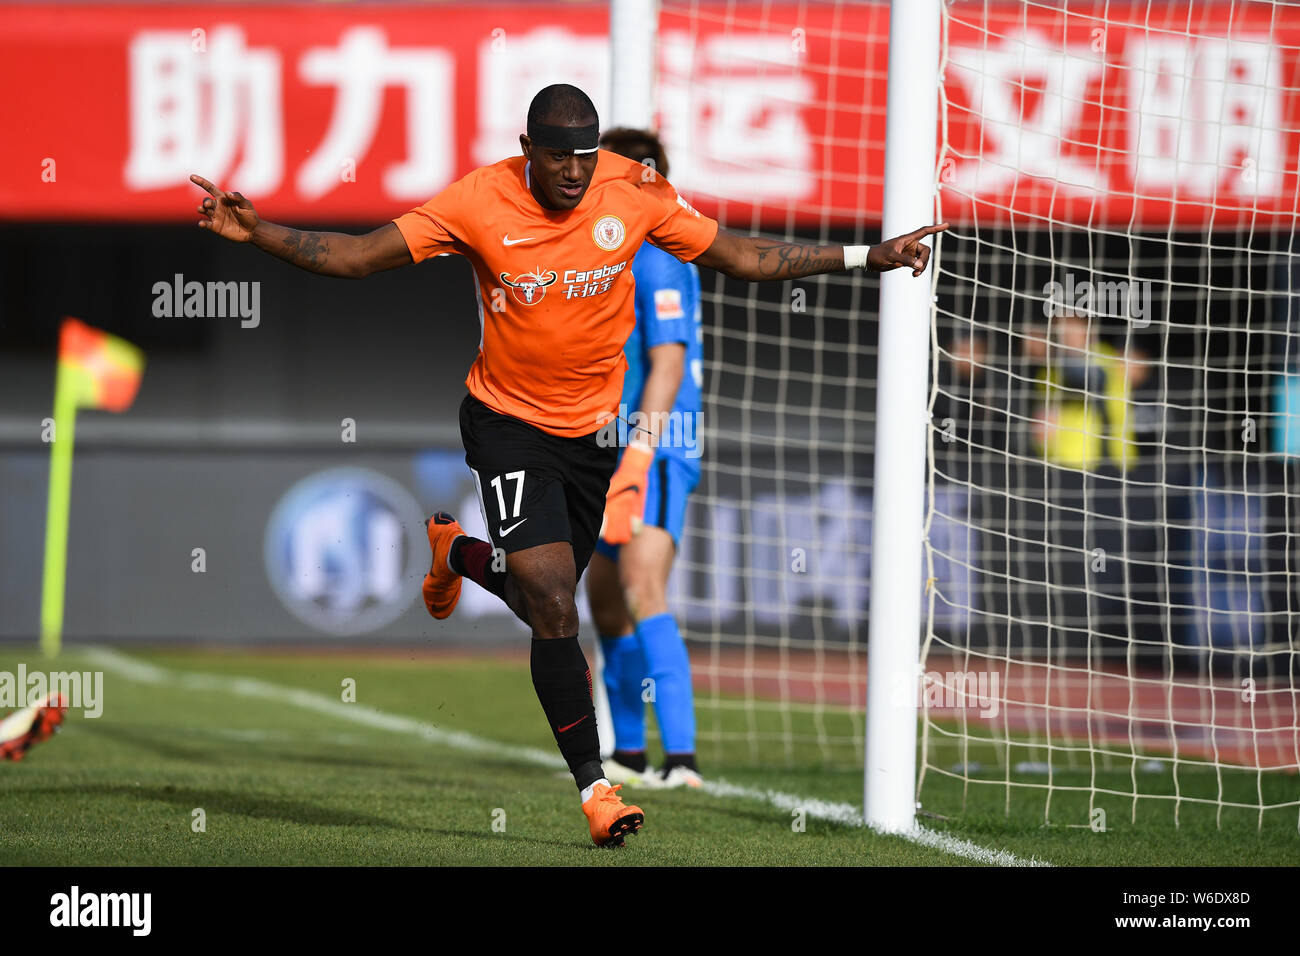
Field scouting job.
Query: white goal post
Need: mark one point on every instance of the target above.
(893, 649)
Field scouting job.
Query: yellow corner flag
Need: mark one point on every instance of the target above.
(96, 370)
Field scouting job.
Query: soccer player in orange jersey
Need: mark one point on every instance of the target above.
(551, 235)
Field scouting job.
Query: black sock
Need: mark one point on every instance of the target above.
(632, 759)
(562, 680)
(679, 760)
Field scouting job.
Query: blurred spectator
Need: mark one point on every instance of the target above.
(1084, 418)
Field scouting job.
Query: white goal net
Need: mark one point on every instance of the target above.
(1115, 352)
(773, 121)
(1111, 534)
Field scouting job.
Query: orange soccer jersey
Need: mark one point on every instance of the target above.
(555, 288)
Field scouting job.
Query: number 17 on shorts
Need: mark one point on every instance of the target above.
(511, 514)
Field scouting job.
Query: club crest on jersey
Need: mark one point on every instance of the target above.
(529, 287)
(609, 232)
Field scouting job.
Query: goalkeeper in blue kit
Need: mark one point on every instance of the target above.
(627, 581)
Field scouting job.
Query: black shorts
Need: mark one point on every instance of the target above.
(535, 487)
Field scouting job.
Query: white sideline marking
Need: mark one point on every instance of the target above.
(146, 673)
(849, 815)
(842, 813)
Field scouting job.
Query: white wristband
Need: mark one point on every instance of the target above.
(855, 257)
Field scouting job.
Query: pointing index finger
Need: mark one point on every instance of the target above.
(204, 184)
(925, 231)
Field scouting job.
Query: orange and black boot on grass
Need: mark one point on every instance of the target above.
(441, 584)
(23, 728)
(609, 819)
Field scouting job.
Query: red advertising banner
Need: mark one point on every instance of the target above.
(772, 113)
(1182, 114)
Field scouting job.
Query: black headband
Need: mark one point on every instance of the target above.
(580, 139)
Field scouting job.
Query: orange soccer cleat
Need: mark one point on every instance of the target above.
(30, 726)
(441, 584)
(609, 818)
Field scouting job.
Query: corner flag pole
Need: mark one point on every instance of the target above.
(894, 641)
(56, 512)
(95, 370)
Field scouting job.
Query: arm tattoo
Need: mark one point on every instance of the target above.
(306, 249)
(783, 260)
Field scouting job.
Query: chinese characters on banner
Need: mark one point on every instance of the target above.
(355, 115)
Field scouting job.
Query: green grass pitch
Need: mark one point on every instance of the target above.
(284, 776)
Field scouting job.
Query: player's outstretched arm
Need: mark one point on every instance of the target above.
(232, 216)
(747, 257)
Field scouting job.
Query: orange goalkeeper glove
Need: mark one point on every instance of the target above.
(625, 500)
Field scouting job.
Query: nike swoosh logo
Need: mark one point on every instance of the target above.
(561, 730)
(507, 241)
(502, 532)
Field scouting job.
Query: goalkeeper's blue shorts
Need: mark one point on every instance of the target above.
(672, 478)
